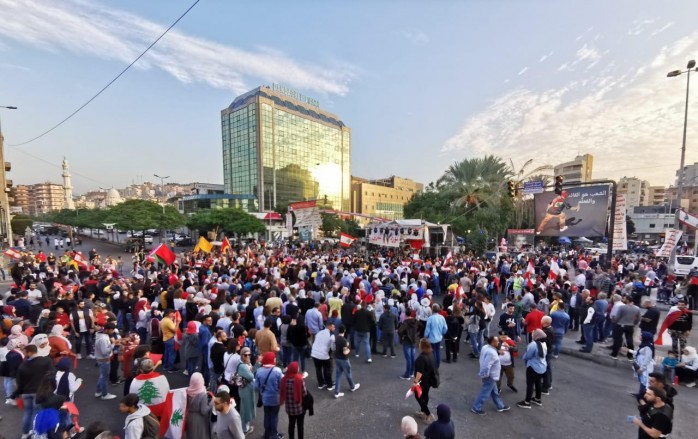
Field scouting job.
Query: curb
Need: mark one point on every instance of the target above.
(596, 358)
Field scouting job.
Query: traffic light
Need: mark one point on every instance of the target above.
(512, 188)
(558, 184)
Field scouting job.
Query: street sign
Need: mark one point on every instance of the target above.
(533, 187)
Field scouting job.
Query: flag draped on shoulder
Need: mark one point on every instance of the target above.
(152, 389)
(346, 240)
(670, 319)
(174, 415)
(203, 245)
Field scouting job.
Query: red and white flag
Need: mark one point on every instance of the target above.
(449, 259)
(225, 245)
(13, 254)
(530, 274)
(174, 414)
(554, 270)
(152, 389)
(346, 240)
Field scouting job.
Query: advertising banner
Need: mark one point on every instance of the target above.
(620, 233)
(670, 242)
(306, 212)
(579, 211)
(390, 235)
(520, 239)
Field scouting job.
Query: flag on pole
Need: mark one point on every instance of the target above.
(346, 240)
(162, 254)
(203, 245)
(225, 245)
(449, 258)
(79, 261)
(12, 253)
(174, 414)
(530, 273)
(554, 270)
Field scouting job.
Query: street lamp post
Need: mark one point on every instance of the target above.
(164, 199)
(689, 67)
(4, 199)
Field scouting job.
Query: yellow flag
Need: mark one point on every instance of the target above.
(203, 245)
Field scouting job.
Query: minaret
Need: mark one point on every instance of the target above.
(67, 188)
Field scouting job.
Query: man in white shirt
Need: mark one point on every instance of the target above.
(33, 294)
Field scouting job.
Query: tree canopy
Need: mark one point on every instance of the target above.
(228, 220)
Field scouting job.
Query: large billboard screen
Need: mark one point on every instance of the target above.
(579, 211)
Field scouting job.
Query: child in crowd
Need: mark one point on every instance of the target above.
(669, 365)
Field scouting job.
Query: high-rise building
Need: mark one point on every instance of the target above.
(690, 175)
(384, 198)
(636, 191)
(37, 199)
(689, 197)
(279, 147)
(577, 170)
(657, 195)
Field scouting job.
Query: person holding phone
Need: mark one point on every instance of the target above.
(656, 417)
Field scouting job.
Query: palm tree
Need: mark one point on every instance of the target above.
(474, 182)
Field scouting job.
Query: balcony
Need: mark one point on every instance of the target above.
(8, 166)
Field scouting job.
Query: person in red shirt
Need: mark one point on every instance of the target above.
(533, 322)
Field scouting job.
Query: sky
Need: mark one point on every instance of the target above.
(421, 84)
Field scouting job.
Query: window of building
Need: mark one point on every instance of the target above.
(651, 226)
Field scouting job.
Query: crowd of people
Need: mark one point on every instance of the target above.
(243, 323)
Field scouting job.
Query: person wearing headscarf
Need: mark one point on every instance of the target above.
(42, 344)
(246, 390)
(409, 428)
(17, 334)
(443, 427)
(198, 409)
(292, 392)
(644, 360)
(536, 366)
(61, 346)
(268, 381)
(66, 382)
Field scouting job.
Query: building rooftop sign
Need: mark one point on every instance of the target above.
(291, 93)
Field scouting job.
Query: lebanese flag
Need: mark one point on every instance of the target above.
(662, 338)
(346, 240)
(554, 270)
(12, 254)
(80, 260)
(164, 254)
(174, 414)
(530, 273)
(152, 389)
(225, 245)
(449, 258)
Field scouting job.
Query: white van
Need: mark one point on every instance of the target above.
(684, 264)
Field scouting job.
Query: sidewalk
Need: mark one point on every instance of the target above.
(601, 355)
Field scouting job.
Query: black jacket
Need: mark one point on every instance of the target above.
(30, 373)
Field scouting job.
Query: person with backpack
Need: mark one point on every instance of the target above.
(139, 423)
(426, 376)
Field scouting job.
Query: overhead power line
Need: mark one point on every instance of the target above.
(110, 82)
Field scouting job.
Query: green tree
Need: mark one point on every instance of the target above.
(231, 220)
(19, 223)
(472, 183)
(143, 215)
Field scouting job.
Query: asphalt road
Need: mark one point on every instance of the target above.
(588, 400)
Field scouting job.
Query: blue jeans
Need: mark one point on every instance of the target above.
(286, 355)
(169, 355)
(476, 341)
(342, 367)
(365, 339)
(588, 330)
(104, 368)
(436, 350)
(9, 384)
(191, 364)
(558, 343)
(489, 388)
(271, 421)
(298, 354)
(410, 351)
(28, 412)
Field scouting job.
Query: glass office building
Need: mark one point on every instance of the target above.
(280, 147)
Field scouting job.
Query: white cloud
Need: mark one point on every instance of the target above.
(630, 118)
(546, 56)
(662, 29)
(418, 38)
(522, 71)
(639, 26)
(587, 52)
(84, 28)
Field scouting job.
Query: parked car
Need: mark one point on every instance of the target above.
(184, 242)
(148, 239)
